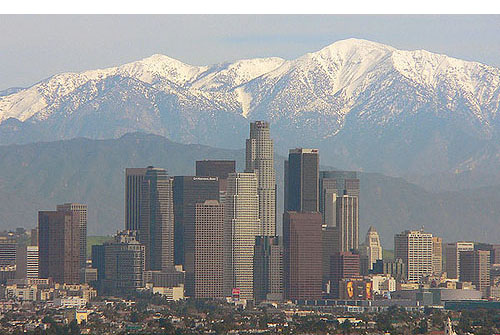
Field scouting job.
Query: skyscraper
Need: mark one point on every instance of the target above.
(329, 248)
(209, 250)
(32, 261)
(475, 268)
(302, 255)
(156, 226)
(260, 159)
(347, 213)
(188, 191)
(59, 246)
(339, 205)
(8, 250)
(82, 210)
(133, 192)
(27, 262)
(241, 215)
(437, 255)
(268, 268)
(124, 262)
(301, 180)
(452, 257)
(414, 247)
(216, 168)
(372, 247)
(344, 265)
(338, 182)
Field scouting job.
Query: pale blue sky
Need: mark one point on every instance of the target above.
(34, 47)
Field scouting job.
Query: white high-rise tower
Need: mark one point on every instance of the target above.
(372, 247)
(260, 160)
(242, 225)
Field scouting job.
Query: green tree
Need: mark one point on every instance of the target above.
(346, 327)
(422, 327)
(74, 329)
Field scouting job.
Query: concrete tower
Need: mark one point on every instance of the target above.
(372, 247)
(415, 249)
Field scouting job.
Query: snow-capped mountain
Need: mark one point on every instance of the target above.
(365, 105)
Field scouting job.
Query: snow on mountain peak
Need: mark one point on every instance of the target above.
(355, 45)
(336, 74)
(161, 66)
(231, 75)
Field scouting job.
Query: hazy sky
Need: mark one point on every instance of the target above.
(34, 47)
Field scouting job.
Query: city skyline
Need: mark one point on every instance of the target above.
(203, 237)
(250, 174)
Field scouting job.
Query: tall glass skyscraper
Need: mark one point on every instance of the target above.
(133, 192)
(301, 180)
(156, 226)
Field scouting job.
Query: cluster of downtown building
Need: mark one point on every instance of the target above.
(214, 235)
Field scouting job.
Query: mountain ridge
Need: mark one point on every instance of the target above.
(365, 105)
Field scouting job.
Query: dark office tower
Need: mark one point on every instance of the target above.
(133, 192)
(124, 263)
(475, 268)
(156, 226)
(188, 191)
(59, 246)
(8, 250)
(98, 263)
(494, 250)
(302, 255)
(495, 257)
(285, 186)
(209, 250)
(302, 186)
(34, 237)
(82, 210)
(451, 254)
(260, 159)
(216, 168)
(344, 265)
(330, 246)
(268, 268)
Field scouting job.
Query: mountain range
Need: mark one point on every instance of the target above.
(423, 128)
(365, 105)
(38, 176)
